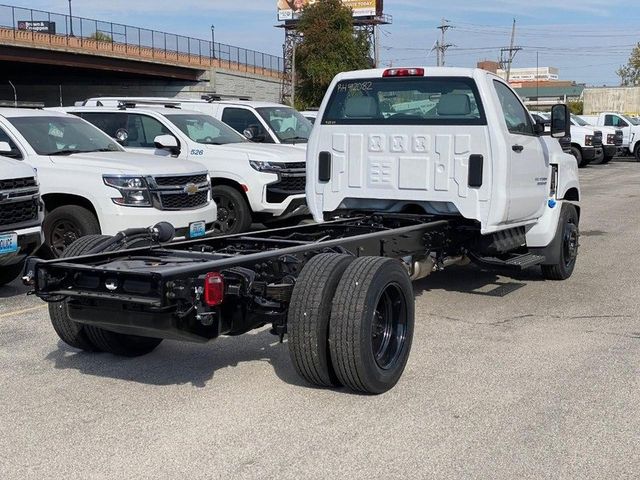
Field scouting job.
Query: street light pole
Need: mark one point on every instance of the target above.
(70, 20)
(213, 41)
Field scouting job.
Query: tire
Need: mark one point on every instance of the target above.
(575, 151)
(606, 159)
(234, 215)
(72, 333)
(371, 326)
(9, 273)
(636, 152)
(121, 344)
(66, 224)
(568, 236)
(309, 315)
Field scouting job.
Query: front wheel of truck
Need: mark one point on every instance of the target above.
(234, 214)
(567, 241)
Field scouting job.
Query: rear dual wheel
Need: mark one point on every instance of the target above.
(87, 337)
(351, 322)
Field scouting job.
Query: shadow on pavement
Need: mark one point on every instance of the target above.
(13, 289)
(177, 363)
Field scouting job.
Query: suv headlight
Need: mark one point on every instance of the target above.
(588, 140)
(134, 191)
(267, 167)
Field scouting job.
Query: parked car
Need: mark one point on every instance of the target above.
(310, 115)
(90, 185)
(251, 182)
(612, 139)
(21, 213)
(260, 122)
(586, 142)
(630, 130)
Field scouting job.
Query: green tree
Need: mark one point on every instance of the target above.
(576, 107)
(330, 45)
(630, 73)
(101, 37)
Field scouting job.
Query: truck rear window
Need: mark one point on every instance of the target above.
(405, 101)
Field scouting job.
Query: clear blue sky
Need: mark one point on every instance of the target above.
(587, 39)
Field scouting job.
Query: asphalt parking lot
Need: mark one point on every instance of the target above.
(509, 377)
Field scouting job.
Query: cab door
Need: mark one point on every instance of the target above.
(621, 124)
(528, 164)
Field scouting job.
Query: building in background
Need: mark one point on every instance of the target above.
(612, 99)
(530, 74)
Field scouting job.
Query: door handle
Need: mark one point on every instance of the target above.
(517, 148)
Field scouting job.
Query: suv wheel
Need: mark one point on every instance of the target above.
(234, 215)
(65, 225)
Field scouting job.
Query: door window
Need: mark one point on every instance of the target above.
(15, 152)
(240, 119)
(614, 121)
(515, 115)
(141, 129)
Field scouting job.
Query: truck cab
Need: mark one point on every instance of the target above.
(630, 129)
(473, 152)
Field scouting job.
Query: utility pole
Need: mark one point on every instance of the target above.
(213, 41)
(511, 52)
(443, 46)
(376, 46)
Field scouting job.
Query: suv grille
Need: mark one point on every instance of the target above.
(19, 201)
(180, 201)
(14, 183)
(169, 193)
(180, 180)
(18, 212)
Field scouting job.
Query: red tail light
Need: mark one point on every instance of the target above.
(213, 289)
(404, 72)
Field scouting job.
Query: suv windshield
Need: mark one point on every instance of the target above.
(630, 120)
(578, 121)
(57, 135)
(405, 101)
(205, 129)
(288, 124)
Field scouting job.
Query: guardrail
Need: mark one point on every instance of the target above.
(41, 27)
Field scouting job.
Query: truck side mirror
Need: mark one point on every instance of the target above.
(167, 142)
(560, 123)
(5, 147)
(253, 133)
(538, 127)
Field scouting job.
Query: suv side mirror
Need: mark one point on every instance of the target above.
(167, 142)
(5, 147)
(253, 133)
(560, 123)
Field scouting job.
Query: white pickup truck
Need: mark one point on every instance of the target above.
(90, 185)
(251, 182)
(260, 122)
(397, 196)
(630, 129)
(21, 214)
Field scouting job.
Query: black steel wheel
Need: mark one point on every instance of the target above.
(65, 225)
(636, 153)
(568, 236)
(308, 318)
(371, 326)
(577, 153)
(234, 215)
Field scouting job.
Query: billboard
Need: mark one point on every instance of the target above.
(37, 26)
(290, 9)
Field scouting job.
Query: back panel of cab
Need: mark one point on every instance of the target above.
(444, 169)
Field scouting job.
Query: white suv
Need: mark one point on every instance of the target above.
(261, 122)
(251, 182)
(21, 214)
(90, 185)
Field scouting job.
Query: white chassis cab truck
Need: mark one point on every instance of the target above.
(630, 129)
(397, 195)
(21, 215)
(90, 185)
